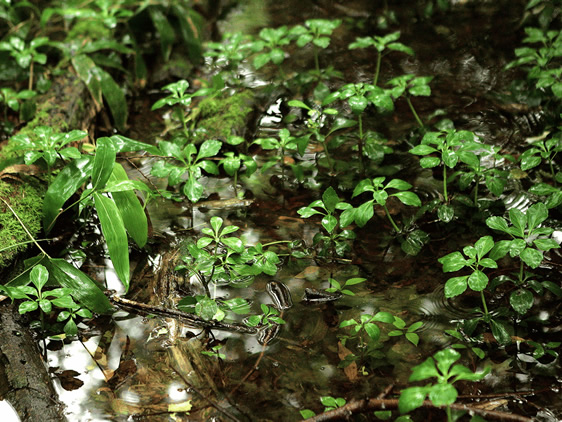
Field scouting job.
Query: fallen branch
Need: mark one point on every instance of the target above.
(361, 406)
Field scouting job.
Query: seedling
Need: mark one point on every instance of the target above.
(477, 280)
(541, 61)
(329, 402)
(179, 99)
(443, 393)
(26, 54)
(452, 145)
(314, 124)
(383, 45)
(232, 162)
(190, 164)
(15, 100)
(529, 242)
(337, 286)
(317, 32)
(337, 242)
(409, 333)
(213, 309)
(214, 352)
(230, 52)
(49, 146)
(542, 149)
(362, 214)
(367, 325)
(269, 317)
(410, 85)
(272, 41)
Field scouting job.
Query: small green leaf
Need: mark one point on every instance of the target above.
(103, 162)
(455, 286)
(411, 398)
(443, 394)
(521, 300)
(452, 262)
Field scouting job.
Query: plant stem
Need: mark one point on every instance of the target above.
(414, 112)
(445, 183)
(360, 144)
(328, 156)
(377, 69)
(316, 62)
(476, 192)
(391, 220)
(25, 228)
(484, 302)
(521, 273)
(449, 416)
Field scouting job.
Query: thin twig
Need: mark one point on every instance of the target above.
(213, 404)
(361, 406)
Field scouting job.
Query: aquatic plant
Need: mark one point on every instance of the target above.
(443, 393)
(383, 45)
(317, 32)
(26, 54)
(410, 85)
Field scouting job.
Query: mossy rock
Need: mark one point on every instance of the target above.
(26, 201)
(225, 116)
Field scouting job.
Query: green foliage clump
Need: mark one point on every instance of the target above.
(26, 202)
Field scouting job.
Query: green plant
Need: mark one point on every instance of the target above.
(383, 45)
(443, 393)
(337, 241)
(119, 214)
(45, 300)
(543, 67)
(336, 286)
(477, 280)
(314, 124)
(26, 54)
(187, 165)
(409, 333)
(272, 41)
(542, 149)
(49, 146)
(179, 99)
(317, 32)
(286, 142)
(410, 85)
(213, 309)
(365, 211)
(330, 403)
(530, 239)
(358, 97)
(15, 101)
(366, 325)
(269, 317)
(451, 146)
(232, 162)
(214, 352)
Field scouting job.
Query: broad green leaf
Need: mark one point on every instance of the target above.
(193, 190)
(519, 221)
(103, 162)
(124, 144)
(497, 223)
(84, 67)
(364, 213)
(166, 32)
(443, 394)
(84, 289)
(452, 262)
(500, 249)
(114, 97)
(536, 214)
(408, 198)
(455, 286)
(233, 243)
(424, 371)
(130, 208)
(209, 148)
(330, 199)
(484, 245)
(28, 306)
(203, 242)
(445, 359)
(546, 244)
(500, 333)
(329, 222)
(113, 230)
(39, 276)
(398, 184)
(521, 300)
(411, 398)
(383, 316)
(372, 330)
(445, 213)
(307, 212)
(478, 281)
(532, 257)
(63, 187)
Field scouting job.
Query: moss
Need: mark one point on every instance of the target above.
(222, 117)
(26, 201)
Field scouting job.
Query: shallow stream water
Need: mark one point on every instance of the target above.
(138, 368)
